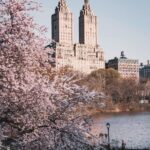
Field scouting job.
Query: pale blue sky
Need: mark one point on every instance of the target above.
(123, 25)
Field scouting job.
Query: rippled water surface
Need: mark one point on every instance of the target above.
(134, 129)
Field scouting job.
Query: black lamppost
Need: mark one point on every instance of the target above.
(108, 127)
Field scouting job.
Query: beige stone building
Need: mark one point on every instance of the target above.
(85, 56)
(127, 68)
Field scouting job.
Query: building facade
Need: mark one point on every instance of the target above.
(87, 26)
(145, 71)
(62, 24)
(127, 68)
(85, 56)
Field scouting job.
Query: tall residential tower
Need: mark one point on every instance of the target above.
(62, 24)
(87, 26)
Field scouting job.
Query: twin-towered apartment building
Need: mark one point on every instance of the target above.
(85, 56)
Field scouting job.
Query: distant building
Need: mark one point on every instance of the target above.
(128, 68)
(85, 56)
(145, 71)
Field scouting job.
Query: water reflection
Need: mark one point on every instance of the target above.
(133, 129)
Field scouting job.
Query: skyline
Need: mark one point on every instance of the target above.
(123, 25)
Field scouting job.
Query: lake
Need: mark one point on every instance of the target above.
(133, 128)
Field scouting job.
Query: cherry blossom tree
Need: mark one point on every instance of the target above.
(22, 62)
(38, 105)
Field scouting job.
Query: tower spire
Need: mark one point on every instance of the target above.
(86, 1)
(62, 1)
(62, 6)
(86, 8)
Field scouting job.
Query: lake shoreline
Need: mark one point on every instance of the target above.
(119, 109)
(118, 113)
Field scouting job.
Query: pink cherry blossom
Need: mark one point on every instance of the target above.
(38, 105)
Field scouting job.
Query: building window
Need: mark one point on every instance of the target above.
(65, 16)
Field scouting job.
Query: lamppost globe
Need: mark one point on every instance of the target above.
(108, 125)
